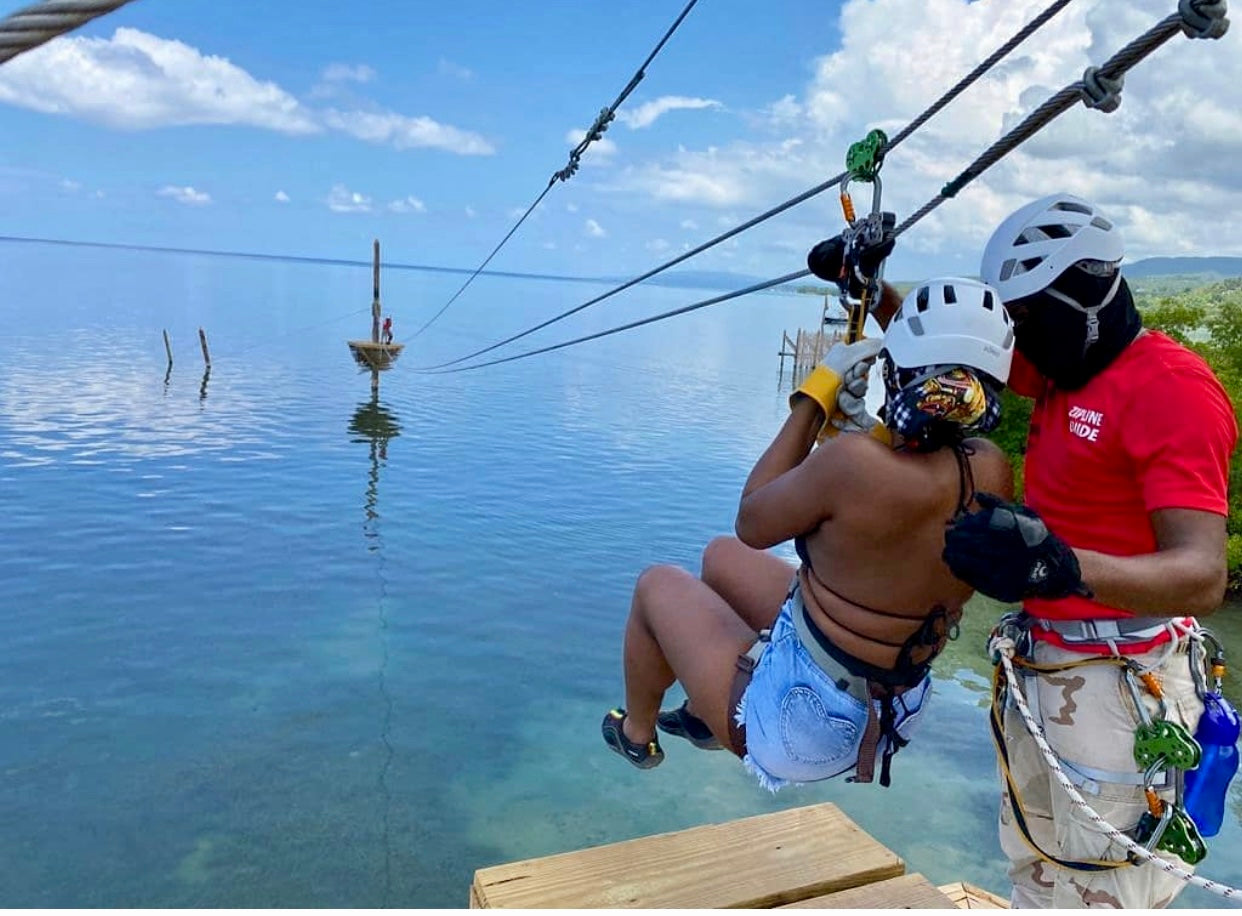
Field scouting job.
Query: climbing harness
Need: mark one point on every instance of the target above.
(862, 163)
(1165, 826)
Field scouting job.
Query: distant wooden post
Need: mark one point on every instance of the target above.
(375, 298)
(202, 339)
(168, 348)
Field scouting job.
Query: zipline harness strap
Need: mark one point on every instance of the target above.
(1003, 647)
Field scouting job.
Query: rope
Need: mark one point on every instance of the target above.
(596, 132)
(1114, 68)
(41, 22)
(1006, 649)
(625, 327)
(956, 90)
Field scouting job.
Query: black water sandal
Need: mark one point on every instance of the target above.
(643, 756)
(682, 723)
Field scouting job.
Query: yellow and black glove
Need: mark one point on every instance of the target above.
(826, 384)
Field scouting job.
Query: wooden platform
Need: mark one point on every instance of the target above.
(371, 355)
(804, 857)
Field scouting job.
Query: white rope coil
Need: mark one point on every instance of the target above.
(1006, 648)
(41, 22)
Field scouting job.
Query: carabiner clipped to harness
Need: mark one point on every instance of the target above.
(862, 163)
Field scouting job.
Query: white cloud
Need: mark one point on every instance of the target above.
(70, 186)
(571, 208)
(138, 81)
(548, 246)
(347, 73)
(135, 80)
(657, 245)
(185, 195)
(1163, 165)
(689, 224)
(457, 71)
(408, 204)
(647, 113)
(343, 200)
(281, 197)
(471, 213)
(603, 148)
(594, 229)
(405, 132)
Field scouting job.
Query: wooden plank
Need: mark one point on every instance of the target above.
(968, 897)
(758, 861)
(905, 892)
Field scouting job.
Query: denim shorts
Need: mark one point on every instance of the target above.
(800, 726)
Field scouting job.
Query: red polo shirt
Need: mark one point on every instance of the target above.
(1152, 431)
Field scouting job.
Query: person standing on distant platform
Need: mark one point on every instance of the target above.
(387, 338)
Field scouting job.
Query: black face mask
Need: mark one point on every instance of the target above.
(1071, 331)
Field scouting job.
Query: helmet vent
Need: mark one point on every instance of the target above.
(1100, 222)
(950, 296)
(920, 302)
(989, 301)
(916, 325)
(1069, 206)
(1008, 337)
(1056, 231)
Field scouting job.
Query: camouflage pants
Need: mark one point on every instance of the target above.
(1089, 718)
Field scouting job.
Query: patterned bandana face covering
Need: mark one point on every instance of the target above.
(934, 405)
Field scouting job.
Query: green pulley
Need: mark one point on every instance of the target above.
(1162, 738)
(865, 157)
(1181, 837)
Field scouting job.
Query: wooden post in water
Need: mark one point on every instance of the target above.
(168, 348)
(202, 339)
(375, 299)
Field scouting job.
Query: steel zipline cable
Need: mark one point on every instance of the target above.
(595, 132)
(41, 22)
(1099, 88)
(964, 83)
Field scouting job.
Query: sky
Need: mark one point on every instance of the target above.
(307, 128)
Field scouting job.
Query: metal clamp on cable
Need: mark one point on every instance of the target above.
(1102, 92)
(1203, 18)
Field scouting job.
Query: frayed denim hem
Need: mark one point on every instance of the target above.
(766, 779)
(772, 783)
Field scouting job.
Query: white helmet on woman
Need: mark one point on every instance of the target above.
(955, 322)
(1042, 240)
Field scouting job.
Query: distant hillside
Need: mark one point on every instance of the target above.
(1167, 267)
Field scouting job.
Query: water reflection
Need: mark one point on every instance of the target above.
(376, 425)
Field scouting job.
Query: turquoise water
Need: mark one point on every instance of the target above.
(269, 641)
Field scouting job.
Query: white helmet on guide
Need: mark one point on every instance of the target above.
(952, 321)
(1039, 242)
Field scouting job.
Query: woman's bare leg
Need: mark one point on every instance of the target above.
(679, 629)
(752, 582)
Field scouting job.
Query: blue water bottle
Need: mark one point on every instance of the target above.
(1208, 784)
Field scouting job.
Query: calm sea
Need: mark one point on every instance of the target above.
(271, 641)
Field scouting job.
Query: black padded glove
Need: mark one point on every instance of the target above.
(1007, 552)
(826, 261)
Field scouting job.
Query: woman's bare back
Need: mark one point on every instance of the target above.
(875, 570)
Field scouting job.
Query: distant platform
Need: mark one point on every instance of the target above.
(371, 355)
